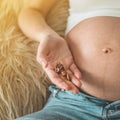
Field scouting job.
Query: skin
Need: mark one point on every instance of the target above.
(96, 53)
(32, 22)
(95, 67)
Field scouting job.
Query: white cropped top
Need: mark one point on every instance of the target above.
(82, 9)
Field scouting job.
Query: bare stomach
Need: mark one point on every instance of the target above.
(95, 44)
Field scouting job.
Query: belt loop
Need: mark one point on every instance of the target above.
(55, 92)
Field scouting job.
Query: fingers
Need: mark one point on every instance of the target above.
(61, 82)
(74, 80)
(73, 85)
(75, 71)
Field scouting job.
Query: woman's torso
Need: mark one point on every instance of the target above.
(95, 44)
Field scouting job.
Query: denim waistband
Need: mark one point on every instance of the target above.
(81, 95)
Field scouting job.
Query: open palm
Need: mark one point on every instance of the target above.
(54, 50)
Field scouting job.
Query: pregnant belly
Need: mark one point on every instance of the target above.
(95, 44)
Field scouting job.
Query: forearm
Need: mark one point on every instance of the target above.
(33, 24)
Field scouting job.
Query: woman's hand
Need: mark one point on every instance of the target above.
(52, 50)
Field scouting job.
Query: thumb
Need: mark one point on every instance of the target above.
(42, 60)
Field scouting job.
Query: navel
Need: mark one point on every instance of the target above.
(107, 50)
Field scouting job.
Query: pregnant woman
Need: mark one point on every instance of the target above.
(84, 66)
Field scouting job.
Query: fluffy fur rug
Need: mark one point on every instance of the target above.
(23, 83)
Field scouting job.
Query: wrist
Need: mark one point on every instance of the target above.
(48, 35)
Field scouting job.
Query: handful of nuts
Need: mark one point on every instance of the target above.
(61, 71)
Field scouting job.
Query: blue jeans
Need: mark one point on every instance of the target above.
(64, 105)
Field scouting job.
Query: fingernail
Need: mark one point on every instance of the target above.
(76, 92)
(80, 76)
(77, 76)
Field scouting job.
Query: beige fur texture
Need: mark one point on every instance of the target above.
(23, 83)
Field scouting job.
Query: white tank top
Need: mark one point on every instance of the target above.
(82, 9)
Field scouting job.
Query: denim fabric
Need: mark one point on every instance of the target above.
(64, 105)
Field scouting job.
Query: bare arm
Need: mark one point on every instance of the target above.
(52, 49)
(32, 19)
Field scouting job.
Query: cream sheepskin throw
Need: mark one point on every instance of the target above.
(23, 83)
